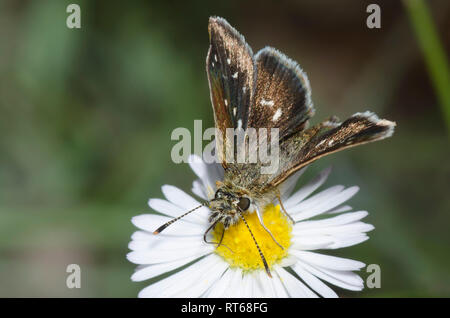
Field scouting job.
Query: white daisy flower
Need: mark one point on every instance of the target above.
(235, 268)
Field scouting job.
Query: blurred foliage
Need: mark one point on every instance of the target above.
(86, 118)
(433, 52)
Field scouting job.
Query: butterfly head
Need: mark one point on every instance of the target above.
(227, 205)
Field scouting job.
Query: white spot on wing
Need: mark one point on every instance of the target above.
(320, 143)
(235, 75)
(215, 57)
(264, 102)
(226, 102)
(277, 115)
(330, 142)
(234, 111)
(228, 61)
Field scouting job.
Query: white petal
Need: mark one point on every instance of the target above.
(139, 245)
(287, 261)
(208, 173)
(337, 220)
(150, 222)
(327, 261)
(288, 186)
(255, 290)
(278, 287)
(265, 285)
(141, 236)
(258, 287)
(315, 283)
(311, 242)
(165, 207)
(155, 256)
(348, 277)
(199, 167)
(315, 199)
(294, 287)
(235, 284)
(325, 204)
(239, 290)
(348, 241)
(173, 210)
(199, 190)
(185, 202)
(307, 189)
(160, 243)
(219, 288)
(356, 227)
(205, 280)
(247, 286)
(182, 280)
(175, 195)
(163, 242)
(339, 209)
(154, 270)
(343, 279)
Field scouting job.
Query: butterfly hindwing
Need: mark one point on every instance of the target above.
(282, 100)
(325, 138)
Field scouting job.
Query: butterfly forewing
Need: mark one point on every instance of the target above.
(231, 77)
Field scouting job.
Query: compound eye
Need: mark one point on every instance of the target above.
(244, 203)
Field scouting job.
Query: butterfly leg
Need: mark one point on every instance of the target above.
(284, 210)
(259, 214)
(221, 238)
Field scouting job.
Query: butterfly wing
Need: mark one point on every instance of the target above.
(282, 96)
(282, 100)
(231, 76)
(271, 91)
(323, 139)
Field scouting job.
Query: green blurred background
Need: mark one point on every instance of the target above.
(86, 116)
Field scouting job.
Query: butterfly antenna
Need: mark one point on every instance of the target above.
(162, 227)
(257, 246)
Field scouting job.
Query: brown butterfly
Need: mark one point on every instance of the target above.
(267, 90)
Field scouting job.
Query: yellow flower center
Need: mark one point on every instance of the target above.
(244, 253)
